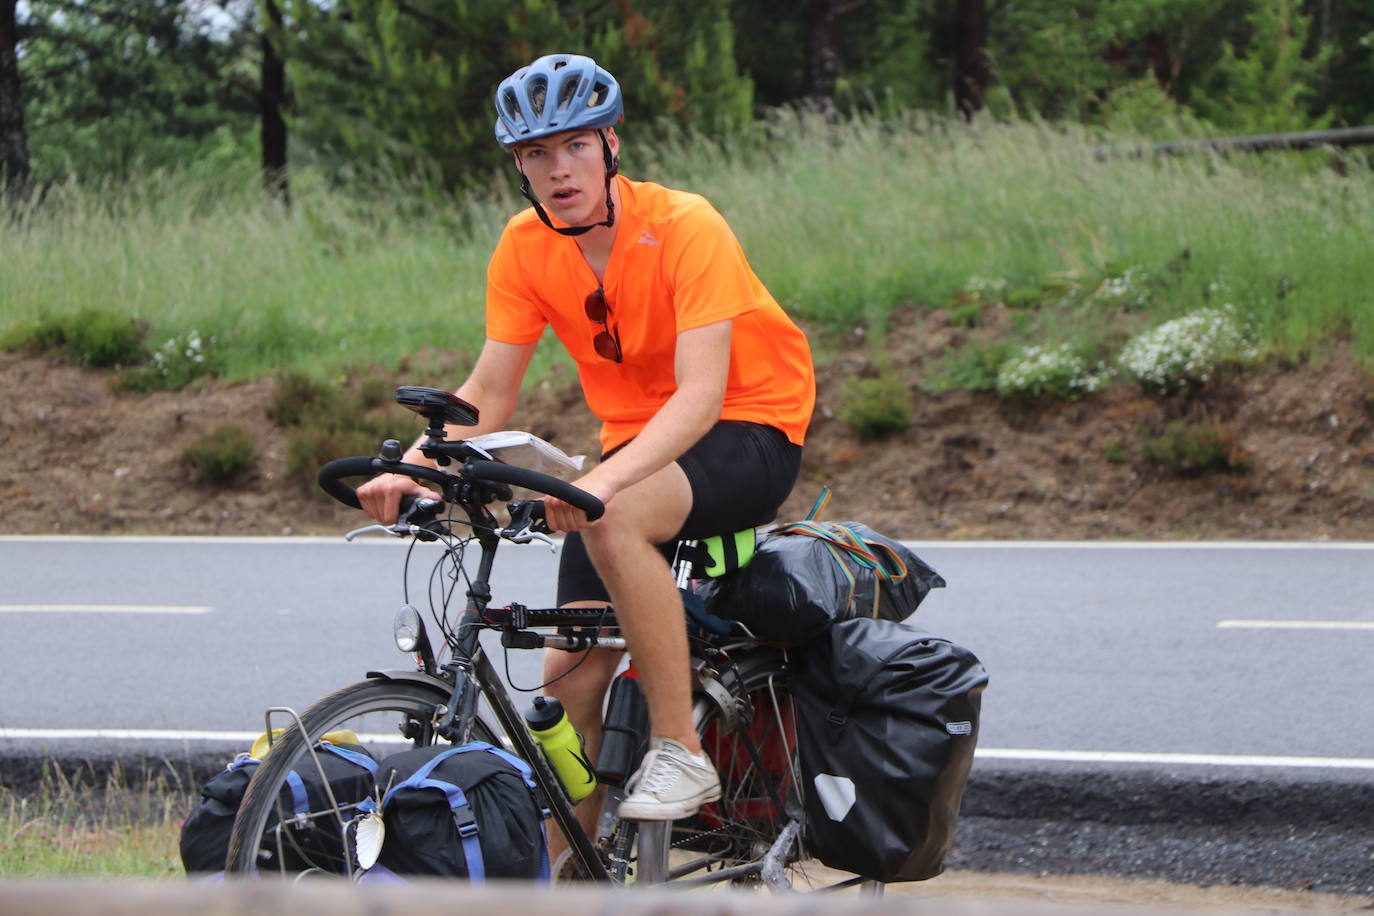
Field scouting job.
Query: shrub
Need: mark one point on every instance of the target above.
(1129, 288)
(875, 407)
(298, 397)
(180, 360)
(972, 368)
(984, 289)
(1191, 449)
(222, 455)
(969, 315)
(91, 337)
(1055, 371)
(311, 446)
(1187, 350)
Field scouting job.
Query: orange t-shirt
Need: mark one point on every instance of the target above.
(675, 265)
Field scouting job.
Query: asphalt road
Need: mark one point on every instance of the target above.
(1250, 653)
(1196, 712)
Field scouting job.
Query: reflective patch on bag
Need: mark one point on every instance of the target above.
(959, 728)
(836, 794)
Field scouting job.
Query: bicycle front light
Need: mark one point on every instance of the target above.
(408, 630)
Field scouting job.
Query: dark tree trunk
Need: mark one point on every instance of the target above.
(1161, 62)
(14, 146)
(271, 99)
(971, 57)
(822, 50)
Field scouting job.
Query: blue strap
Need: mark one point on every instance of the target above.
(462, 813)
(354, 757)
(545, 873)
(300, 801)
(300, 798)
(458, 803)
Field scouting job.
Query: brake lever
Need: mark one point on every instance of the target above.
(527, 517)
(422, 510)
(527, 534)
(385, 529)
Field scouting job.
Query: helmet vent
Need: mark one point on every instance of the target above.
(565, 96)
(512, 106)
(538, 94)
(598, 95)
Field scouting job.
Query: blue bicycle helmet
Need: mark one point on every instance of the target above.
(557, 92)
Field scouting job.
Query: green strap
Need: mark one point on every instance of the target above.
(728, 552)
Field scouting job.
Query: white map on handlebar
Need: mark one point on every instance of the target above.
(527, 450)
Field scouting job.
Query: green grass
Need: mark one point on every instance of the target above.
(69, 828)
(843, 222)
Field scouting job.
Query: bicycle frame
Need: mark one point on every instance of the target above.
(472, 674)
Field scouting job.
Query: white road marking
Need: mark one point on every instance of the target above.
(1296, 624)
(152, 734)
(989, 753)
(1214, 760)
(105, 609)
(289, 540)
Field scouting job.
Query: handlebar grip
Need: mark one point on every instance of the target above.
(329, 475)
(344, 467)
(542, 483)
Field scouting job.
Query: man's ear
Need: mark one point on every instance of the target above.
(613, 144)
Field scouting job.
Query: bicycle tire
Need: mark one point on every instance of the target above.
(374, 702)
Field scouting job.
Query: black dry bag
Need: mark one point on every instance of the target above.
(470, 811)
(316, 842)
(886, 726)
(806, 575)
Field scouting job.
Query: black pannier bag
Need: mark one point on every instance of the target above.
(807, 575)
(469, 811)
(887, 720)
(348, 768)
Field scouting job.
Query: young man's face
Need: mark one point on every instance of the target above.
(567, 172)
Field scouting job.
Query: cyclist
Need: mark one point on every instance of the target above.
(703, 385)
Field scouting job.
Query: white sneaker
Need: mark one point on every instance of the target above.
(669, 785)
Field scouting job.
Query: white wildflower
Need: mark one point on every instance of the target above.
(1131, 288)
(1187, 349)
(988, 289)
(1049, 370)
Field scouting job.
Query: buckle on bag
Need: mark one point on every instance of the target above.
(467, 824)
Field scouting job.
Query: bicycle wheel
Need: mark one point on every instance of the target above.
(385, 716)
(753, 834)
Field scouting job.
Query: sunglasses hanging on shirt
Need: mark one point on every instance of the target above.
(607, 341)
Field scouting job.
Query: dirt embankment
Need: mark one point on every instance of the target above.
(84, 459)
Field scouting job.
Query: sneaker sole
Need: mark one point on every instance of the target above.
(658, 811)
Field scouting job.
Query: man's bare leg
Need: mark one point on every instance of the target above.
(581, 688)
(647, 604)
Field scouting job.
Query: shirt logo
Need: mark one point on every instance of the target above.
(647, 238)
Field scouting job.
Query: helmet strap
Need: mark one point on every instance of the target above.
(612, 164)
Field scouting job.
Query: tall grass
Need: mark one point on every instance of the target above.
(843, 221)
(74, 826)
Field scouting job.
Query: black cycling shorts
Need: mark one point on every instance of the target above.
(739, 472)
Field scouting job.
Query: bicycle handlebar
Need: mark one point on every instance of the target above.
(477, 469)
(535, 480)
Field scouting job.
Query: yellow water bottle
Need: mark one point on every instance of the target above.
(551, 728)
